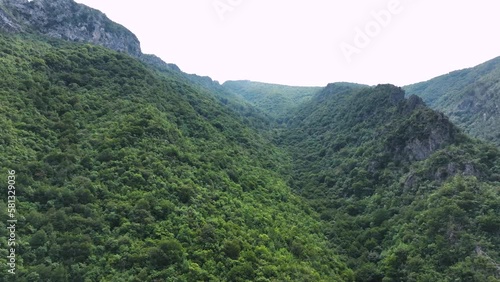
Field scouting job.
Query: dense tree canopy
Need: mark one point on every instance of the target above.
(129, 174)
(135, 171)
(273, 99)
(402, 192)
(470, 97)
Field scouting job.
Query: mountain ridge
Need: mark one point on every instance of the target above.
(68, 20)
(371, 161)
(470, 97)
(127, 173)
(276, 100)
(135, 171)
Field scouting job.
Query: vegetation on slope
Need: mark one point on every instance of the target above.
(470, 97)
(125, 174)
(275, 100)
(135, 171)
(405, 195)
(250, 115)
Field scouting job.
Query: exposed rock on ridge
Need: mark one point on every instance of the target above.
(68, 20)
(422, 134)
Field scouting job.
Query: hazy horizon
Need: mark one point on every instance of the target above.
(313, 43)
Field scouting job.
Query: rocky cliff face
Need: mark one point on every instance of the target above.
(469, 97)
(68, 20)
(421, 134)
(7, 23)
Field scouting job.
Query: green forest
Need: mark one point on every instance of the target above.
(403, 193)
(469, 97)
(275, 100)
(128, 174)
(130, 171)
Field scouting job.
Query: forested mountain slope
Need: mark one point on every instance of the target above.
(470, 97)
(406, 195)
(128, 169)
(273, 99)
(128, 174)
(249, 114)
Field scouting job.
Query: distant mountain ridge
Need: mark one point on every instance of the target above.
(390, 177)
(132, 169)
(130, 173)
(470, 97)
(71, 21)
(273, 99)
(74, 22)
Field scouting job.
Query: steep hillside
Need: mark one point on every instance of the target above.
(124, 173)
(128, 169)
(71, 21)
(252, 116)
(406, 195)
(275, 100)
(470, 97)
(67, 20)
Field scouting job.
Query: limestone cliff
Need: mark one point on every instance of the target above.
(68, 20)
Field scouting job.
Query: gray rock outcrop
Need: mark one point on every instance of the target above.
(68, 20)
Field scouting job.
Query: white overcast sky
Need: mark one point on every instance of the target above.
(298, 42)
